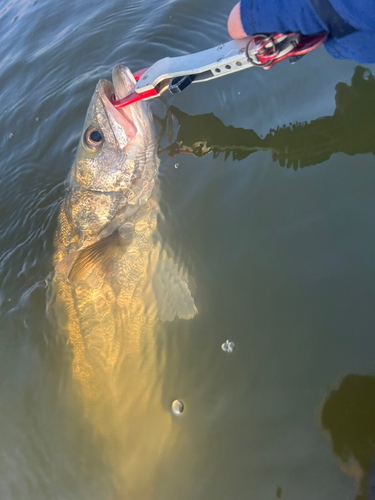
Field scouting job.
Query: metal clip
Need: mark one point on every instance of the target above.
(179, 83)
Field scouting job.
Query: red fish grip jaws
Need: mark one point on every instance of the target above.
(135, 96)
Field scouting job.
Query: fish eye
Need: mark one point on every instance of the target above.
(93, 138)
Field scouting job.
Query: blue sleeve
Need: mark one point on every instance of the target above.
(283, 16)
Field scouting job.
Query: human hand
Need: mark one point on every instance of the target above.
(351, 32)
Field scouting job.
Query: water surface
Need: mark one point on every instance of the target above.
(273, 216)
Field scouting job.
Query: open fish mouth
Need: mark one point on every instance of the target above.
(122, 120)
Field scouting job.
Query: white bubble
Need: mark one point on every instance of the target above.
(177, 407)
(228, 346)
(11, 135)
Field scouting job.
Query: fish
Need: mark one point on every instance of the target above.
(114, 284)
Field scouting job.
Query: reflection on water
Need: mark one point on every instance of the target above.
(348, 414)
(349, 131)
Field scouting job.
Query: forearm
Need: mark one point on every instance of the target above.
(351, 27)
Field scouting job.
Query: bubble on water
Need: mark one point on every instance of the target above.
(177, 407)
(176, 165)
(228, 346)
(37, 119)
(366, 74)
(11, 135)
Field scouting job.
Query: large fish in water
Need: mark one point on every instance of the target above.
(113, 283)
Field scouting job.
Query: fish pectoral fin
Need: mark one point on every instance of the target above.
(173, 297)
(94, 256)
(65, 265)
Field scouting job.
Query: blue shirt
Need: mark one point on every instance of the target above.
(283, 16)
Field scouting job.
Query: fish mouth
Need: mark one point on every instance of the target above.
(122, 119)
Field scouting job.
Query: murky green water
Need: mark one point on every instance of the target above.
(282, 257)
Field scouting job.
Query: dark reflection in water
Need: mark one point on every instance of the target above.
(348, 414)
(297, 145)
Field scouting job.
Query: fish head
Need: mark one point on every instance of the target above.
(117, 151)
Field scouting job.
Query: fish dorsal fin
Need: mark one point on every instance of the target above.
(94, 256)
(170, 284)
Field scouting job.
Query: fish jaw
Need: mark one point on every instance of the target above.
(127, 121)
(139, 112)
(120, 120)
(144, 142)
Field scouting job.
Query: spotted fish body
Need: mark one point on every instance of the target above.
(113, 284)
